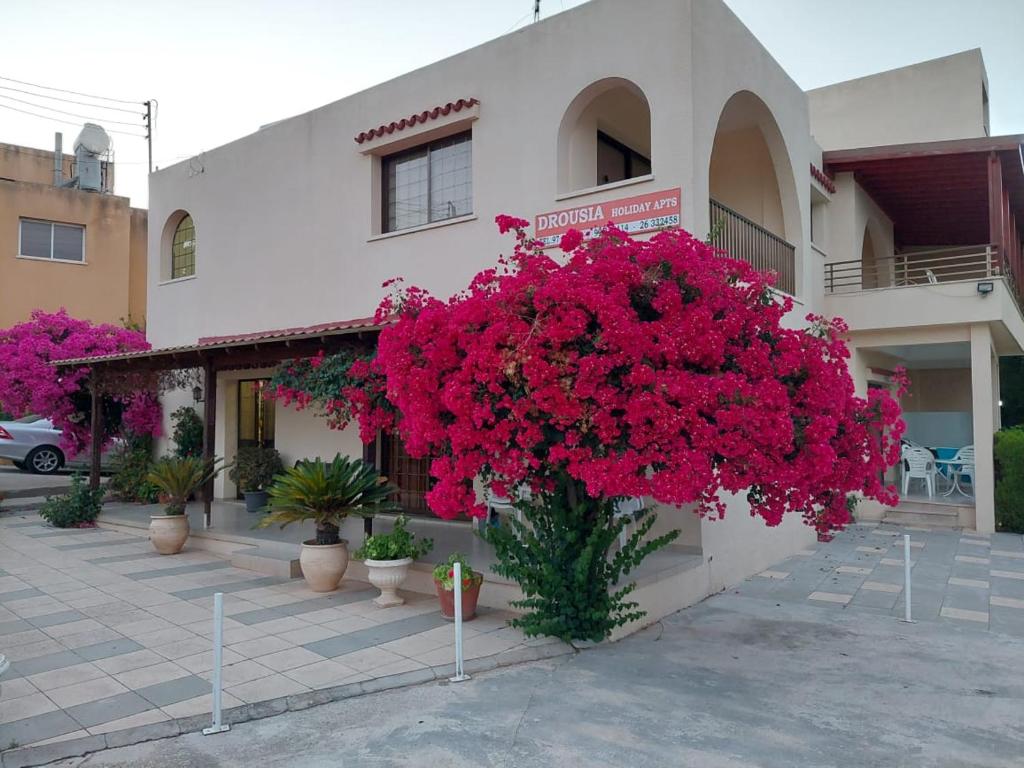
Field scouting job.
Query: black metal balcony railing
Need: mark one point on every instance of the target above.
(742, 239)
(942, 265)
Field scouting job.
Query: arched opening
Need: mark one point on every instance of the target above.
(754, 210)
(868, 262)
(605, 136)
(178, 247)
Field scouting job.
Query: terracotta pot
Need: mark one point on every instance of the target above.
(323, 565)
(168, 533)
(470, 595)
(388, 576)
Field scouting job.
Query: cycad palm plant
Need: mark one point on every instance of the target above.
(327, 493)
(179, 478)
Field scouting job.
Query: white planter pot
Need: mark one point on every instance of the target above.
(168, 533)
(323, 565)
(388, 576)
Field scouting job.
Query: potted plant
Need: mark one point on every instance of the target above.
(177, 479)
(388, 556)
(444, 583)
(326, 493)
(254, 470)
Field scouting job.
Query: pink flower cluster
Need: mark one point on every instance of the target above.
(29, 384)
(642, 368)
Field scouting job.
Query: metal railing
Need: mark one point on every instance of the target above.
(942, 265)
(743, 239)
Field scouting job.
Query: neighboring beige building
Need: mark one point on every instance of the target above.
(672, 101)
(65, 245)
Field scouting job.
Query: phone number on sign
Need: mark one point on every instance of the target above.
(630, 227)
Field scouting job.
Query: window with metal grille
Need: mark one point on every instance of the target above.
(51, 240)
(183, 249)
(617, 162)
(431, 182)
(411, 476)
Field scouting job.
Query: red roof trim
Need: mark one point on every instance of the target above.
(421, 117)
(309, 330)
(822, 178)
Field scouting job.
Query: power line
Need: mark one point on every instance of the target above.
(69, 114)
(64, 90)
(66, 122)
(69, 101)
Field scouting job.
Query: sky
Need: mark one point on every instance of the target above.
(219, 69)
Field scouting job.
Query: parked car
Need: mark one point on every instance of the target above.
(33, 445)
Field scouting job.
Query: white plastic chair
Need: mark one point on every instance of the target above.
(964, 468)
(627, 508)
(497, 505)
(918, 464)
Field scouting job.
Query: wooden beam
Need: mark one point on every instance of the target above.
(95, 432)
(995, 203)
(209, 427)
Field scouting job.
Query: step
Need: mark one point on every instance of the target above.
(270, 561)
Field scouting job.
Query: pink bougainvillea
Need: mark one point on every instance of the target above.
(638, 368)
(30, 384)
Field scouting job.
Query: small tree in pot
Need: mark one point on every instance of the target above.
(388, 556)
(326, 493)
(177, 479)
(255, 469)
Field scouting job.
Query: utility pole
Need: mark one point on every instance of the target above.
(536, 10)
(149, 131)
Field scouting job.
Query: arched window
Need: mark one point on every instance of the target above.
(183, 249)
(605, 136)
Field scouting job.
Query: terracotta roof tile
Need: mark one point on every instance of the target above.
(420, 117)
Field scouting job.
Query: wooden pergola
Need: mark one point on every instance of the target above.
(213, 355)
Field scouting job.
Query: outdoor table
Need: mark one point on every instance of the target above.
(954, 476)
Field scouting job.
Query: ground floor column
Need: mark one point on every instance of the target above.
(984, 426)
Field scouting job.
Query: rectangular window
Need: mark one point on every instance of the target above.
(411, 476)
(432, 182)
(617, 162)
(50, 240)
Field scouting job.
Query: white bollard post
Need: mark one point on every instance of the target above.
(906, 579)
(460, 672)
(218, 659)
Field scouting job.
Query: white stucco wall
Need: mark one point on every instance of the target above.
(929, 101)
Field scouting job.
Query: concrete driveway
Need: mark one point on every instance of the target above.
(751, 677)
(17, 484)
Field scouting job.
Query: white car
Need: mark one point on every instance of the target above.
(33, 445)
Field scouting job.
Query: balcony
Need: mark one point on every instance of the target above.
(742, 239)
(922, 267)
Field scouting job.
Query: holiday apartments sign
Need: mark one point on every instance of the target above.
(635, 215)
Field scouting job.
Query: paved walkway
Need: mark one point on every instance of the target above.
(104, 634)
(961, 578)
(746, 679)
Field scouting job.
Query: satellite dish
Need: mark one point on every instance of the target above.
(93, 139)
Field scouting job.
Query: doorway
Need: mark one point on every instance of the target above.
(255, 415)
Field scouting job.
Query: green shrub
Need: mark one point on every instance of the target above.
(187, 434)
(79, 507)
(255, 468)
(134, 462)
(562, 559)
(1009, 456)
(398, 544)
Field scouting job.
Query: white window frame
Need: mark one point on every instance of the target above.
(51, 224)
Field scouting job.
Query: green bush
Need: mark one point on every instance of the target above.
(187, 433)
(134, 462)
(79, 507)
(562, 559)
(397, 545)
(255, 468)
(1009, 456)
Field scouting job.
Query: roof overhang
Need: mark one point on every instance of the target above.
(936, 193)
(245, 350)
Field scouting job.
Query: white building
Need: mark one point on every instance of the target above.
(297, 225)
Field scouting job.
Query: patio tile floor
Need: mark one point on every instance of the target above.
(964, 579)
(103, 633)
